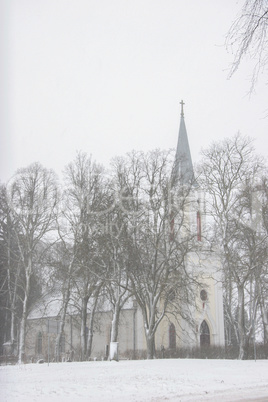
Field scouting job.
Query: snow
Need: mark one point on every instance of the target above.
(143, 380)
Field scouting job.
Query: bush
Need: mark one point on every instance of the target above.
(208, 352)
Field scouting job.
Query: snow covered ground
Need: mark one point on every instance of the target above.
(143, 380)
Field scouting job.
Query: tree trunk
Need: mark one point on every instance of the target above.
(150, 326)
(114, 332)
(264, 315)
(12, 291)
(22, 356)
(84, 328)
(150, 346)
(12, 325)
(62, 324)
(22, 336)
(241, 323)
(66, 292)
(115, 322)
(91, 326)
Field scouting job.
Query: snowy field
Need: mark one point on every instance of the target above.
(154, 380)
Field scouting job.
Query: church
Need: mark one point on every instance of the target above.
(206, 328)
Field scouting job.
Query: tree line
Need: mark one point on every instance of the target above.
(125, 233)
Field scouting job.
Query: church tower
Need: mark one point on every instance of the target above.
(208, 316)
(183, 177)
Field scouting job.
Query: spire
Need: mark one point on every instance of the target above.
(183, 171)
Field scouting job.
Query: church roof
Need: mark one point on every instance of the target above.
(183, 171)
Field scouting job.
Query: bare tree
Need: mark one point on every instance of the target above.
(161, 242)
(116, 241)
(32, 200)
(262, 191)
(246, 254)
(248, 37)
(85, 203)
(229, 170)
(62, 271)
(11, 274)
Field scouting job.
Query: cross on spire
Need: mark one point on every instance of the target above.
(182, 103)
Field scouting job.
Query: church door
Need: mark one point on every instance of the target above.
(204, 334)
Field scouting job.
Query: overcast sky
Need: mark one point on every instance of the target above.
(107, 76)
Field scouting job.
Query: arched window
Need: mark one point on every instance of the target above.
(204, 334)
(39, 343)
(204, 297)
(172, 336)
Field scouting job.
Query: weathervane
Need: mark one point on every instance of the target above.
(182, 103)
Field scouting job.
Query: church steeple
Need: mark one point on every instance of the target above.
(183, 171)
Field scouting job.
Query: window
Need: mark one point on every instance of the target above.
(172, 336)
(39, 343)
(203, 295)
(204, 334)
